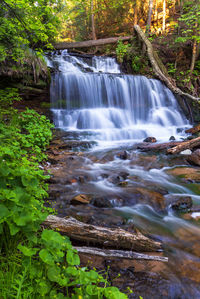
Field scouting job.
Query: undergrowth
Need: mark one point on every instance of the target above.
(34, 263)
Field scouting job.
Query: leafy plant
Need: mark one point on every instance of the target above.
(34, 263)
(171, 68)
(121, 50)
(136, 63)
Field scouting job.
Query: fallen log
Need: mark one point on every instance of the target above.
(158, 146)
(193, 130)
(159, 68)
(90, 43)
(184, 145)
(107, 237)
(122, 254)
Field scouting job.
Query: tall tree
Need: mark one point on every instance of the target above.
(150, 9)
(164, 15)
(92, 21)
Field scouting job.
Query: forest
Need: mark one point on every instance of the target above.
(79, 79)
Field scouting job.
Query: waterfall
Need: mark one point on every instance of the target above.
(92, 96)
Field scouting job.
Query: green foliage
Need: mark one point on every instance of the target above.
(121, 50)
(136, 63)
(190, 22)
(27, 24)
(34, 264)
(171, 68)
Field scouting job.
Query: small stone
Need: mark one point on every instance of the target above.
(123, 184)
(81, 179)
(102, 202)
(80, 199)
(172, 138)
(186, 152)
(123, 155)
(124, 174)
(150, 139)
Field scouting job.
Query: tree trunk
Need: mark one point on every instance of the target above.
(136, 11)
(158, 67)
(92, 20)
(157, 147)
(107, 237)
(90, 43)
(194, 55)
(130, 255)
(184, 145)
(148, 26)
(164, 15)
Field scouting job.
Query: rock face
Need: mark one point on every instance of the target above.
(150, 139)
(194, 158)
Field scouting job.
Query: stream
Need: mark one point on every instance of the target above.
(100, 116)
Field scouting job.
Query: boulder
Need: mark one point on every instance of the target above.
(194, 158)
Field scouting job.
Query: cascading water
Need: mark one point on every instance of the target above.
(92, 100)
(93, 97)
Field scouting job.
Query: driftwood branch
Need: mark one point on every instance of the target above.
(184, 145)
(90, 43)
(107, 237)
(158, 67)
(122, 254)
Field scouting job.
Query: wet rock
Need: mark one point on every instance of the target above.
(81, 179)
(124, 174)
(74, 144)
(102, 202)
(150, 139)
(186, 173)
(172, 138)
(80, 199)
(154, 198)
(186, 152)
(123, 155)
(115, 179)
(123, 184)
(194, 158)
(181, 203)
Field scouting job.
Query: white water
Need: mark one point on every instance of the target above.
(91, 95)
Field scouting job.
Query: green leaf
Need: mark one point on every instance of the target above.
(114, 293)
(26, 250)
(53, 239)
(92, 290)
(53, 273)
(13, 228)
(46, 257)
(4, 212)
(72, 258)
(44, 288)
(28, 180)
